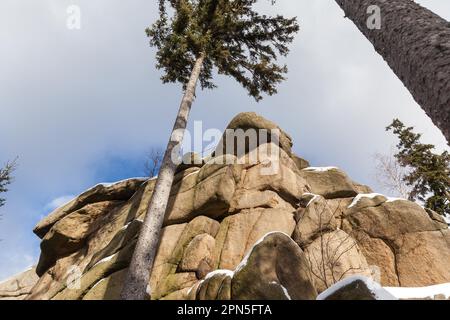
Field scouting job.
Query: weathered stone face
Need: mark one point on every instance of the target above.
(120, 191)
(239, 232)
(276, 268)
(316, 218)
(423, 258)
(285, 221)
(69, 234)
(401, 238)
(331, 183)
(253, 121)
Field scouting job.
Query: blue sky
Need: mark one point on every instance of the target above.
(83, 106)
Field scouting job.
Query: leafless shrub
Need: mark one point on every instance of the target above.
(6, 178)
(390, 175)
(325, 264)
(153, 161)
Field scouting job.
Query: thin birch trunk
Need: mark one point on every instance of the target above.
(415, 42)
(137, 286)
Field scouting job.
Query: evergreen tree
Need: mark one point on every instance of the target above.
(6, 179)
(429, 174)
(414, 42)
(193, 39)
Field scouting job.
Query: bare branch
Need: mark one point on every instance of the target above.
(153, 162)
(391, 175)
(6, 178)
(332, 249)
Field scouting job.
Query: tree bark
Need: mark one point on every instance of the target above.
(137, 286)
(415, 43)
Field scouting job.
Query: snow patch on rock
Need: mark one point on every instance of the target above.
(109, 184)
(378, 291)
(98, 283)
(286, 293)
(320, 169)
(245, 260)
(314, 198)
(447, 218)
(363, 195)
(228, 273)
(395, 199)
(109, 258)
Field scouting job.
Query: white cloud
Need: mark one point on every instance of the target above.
(71, 100)
(59, 202)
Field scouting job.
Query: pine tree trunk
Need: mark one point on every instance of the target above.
(136, 286)
(415, 42)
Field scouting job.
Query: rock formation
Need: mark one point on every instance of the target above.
(242, 230)
(19, 286)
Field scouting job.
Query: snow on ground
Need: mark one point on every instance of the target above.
(379, 292)
(420, 293)
(391, 293)
(320, 169)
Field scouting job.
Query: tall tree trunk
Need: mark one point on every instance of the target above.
(136, 286)
(415, 42)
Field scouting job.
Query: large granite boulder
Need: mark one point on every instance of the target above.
(253, 121)
(329, 182)
(275, 268)
(314, 217)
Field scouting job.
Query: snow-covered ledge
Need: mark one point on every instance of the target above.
(377, 291)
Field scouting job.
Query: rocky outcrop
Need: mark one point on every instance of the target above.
(19, 286)
(249, 226)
